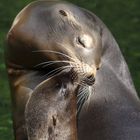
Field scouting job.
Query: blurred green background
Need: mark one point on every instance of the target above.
(121, 16)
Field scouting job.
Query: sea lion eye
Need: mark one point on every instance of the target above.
(81, 41)
(84, 41)
(62, 12)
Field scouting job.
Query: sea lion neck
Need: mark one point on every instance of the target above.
(114, 110)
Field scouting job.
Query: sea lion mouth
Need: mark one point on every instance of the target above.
(79, 75)
(76, 77)
(89, 80)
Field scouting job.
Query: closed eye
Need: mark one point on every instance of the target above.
(81, 42)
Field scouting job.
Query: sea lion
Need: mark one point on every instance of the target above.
(45, 38)
(66, 33)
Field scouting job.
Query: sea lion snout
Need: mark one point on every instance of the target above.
(84, 73)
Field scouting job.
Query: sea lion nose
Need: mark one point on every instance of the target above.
(89, 80)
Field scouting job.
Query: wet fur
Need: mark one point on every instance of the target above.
(112, 111)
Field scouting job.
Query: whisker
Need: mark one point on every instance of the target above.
(52, 73)
(80, 105)
(89, 96)
(55, 73)
(83, 93)
(82, 97)
(80, 84)
(57, 70)
(56, 52)
(94, 89)
(58, 62)
(53, 62)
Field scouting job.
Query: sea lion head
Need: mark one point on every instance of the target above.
(59, 36)
(77, 37)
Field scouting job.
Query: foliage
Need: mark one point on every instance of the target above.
(122, 18)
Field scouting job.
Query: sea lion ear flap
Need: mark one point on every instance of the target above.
(101, 31)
